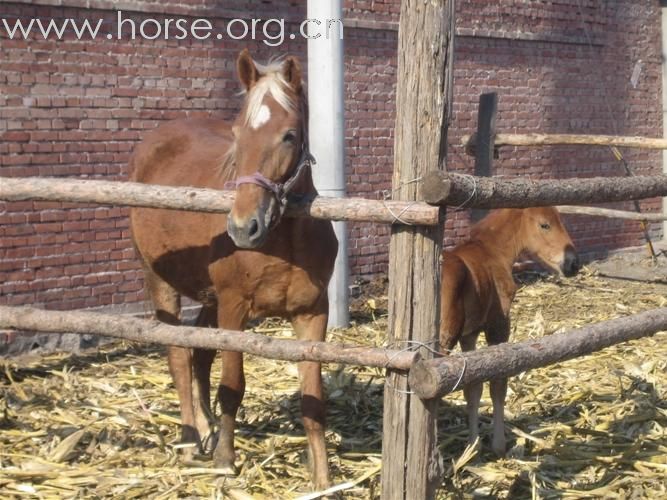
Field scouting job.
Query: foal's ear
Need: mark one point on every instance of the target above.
(247, 71)
(292, 73)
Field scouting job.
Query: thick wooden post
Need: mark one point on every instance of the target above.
(411, 464)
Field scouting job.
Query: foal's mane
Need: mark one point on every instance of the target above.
(271, 83)
(492, 220)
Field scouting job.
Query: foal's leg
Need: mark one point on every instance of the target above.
(201, 388)
(472, 392)
(313, 406)
(167, 303)
(498, 334)
(232, 387)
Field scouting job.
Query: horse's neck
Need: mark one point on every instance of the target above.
(501, 237)
(306, 185)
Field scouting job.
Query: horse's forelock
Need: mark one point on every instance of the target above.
(271, 83)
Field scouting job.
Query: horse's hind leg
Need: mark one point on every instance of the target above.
(202, 360)
(472, 392)
(452, 304)
(313, 406)
(498, 334)
(167, 303)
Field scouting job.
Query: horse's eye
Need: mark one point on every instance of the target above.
(546, 226)
(290, 137)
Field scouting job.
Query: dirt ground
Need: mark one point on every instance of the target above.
(636, 265)
(104, 423)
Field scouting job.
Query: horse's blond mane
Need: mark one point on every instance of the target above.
(227, 167)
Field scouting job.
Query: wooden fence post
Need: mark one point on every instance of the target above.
(486, 138)
(411, 463)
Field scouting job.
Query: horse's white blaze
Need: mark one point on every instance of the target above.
(262, 116)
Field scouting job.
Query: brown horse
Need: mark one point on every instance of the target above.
(249, 264)
(478, 289)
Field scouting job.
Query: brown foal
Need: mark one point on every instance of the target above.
(249, 264)
(478, 289)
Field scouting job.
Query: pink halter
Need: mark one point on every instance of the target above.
(281, 191)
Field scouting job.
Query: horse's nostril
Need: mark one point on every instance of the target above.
(253, 228)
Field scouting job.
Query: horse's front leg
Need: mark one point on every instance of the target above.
(232, 316)
(202, 359)
(313, 406)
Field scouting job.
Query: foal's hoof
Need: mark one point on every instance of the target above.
(499, 448)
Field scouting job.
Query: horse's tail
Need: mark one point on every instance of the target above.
(455, 274)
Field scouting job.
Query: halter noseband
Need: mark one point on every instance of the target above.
(282, 190)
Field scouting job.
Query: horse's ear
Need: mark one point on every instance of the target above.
(292, 73)
(248, 74)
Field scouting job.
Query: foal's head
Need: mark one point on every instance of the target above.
(546, 238)
(270, 149)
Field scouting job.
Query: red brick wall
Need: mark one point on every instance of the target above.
(556, 73)
(73, 108)
(549, 78)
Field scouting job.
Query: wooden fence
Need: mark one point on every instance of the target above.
(412, 467)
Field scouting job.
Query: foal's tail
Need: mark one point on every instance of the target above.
(452, 308)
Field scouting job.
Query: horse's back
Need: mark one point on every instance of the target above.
(188, 152)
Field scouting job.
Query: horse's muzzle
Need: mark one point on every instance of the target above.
(570, 265)
(248, 234)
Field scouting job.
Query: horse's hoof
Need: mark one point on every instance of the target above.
(224, 458)
(188, 452)
(227, 469)
(322, 486)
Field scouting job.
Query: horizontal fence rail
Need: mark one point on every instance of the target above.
(612, 213)
(208, 200)
(467, 191)
(435, 378)
(428, 378)
(470, 141)
(152, 331)
(439, 188)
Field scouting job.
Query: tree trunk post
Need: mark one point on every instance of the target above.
(411, 464)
